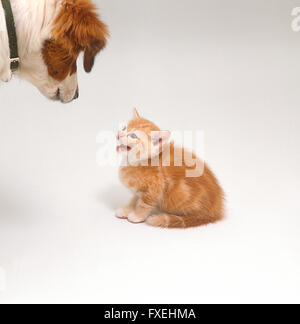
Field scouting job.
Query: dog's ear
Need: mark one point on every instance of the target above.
(91, 34)
(90, 52)
(78, 24)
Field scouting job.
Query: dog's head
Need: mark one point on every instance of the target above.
(76, 28)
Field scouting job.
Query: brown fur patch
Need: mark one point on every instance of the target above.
(76, 28)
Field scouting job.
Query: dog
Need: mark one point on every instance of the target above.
(50, 36)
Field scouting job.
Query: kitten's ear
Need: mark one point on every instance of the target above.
(161, 137)
(136, 113)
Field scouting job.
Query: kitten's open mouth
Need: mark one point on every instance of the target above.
(123, 148)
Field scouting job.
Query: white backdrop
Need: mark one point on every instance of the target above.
(230, 68)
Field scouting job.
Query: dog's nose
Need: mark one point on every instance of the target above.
(76, 96)
(57, 96)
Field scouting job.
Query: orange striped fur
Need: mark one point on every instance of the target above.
(163, 195)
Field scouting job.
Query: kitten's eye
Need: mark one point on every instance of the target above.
(133, 136)
(124, 129)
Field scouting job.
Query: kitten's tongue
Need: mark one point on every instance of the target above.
(123, 148)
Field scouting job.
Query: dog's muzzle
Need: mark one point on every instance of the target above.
(58, 97)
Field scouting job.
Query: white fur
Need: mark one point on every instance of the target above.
(167, 220)
(133, 217)
(34, 22)
(121, 213)
(5, 74)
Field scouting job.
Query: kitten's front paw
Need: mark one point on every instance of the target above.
(122, 213)
(135, 218)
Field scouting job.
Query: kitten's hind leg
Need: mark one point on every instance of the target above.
(125, 211)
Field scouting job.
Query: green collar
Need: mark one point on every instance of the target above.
(12, 35)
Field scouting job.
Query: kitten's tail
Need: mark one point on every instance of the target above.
(173, 221)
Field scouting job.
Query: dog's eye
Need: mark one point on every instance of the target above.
(133, 136)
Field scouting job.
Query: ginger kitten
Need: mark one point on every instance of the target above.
(164, 195)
